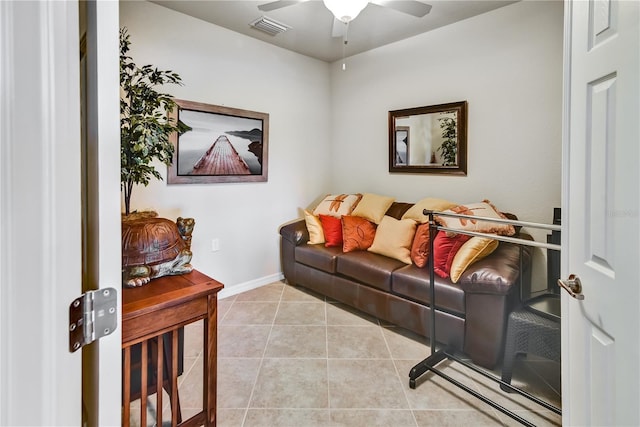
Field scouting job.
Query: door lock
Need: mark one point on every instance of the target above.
(573, 286)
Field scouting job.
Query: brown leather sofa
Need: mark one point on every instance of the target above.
(471, 315)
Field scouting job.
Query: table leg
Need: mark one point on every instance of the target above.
(210, 356)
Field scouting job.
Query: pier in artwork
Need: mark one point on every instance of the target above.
(221, 159)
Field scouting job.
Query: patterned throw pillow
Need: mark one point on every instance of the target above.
(337, 205)
(420, 246)
(357, 233)
(482, 209)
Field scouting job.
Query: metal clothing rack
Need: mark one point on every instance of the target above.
(439, 355)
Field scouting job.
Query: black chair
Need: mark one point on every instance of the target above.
(534, 328)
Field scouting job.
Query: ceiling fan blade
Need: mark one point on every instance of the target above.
(267, 7)
(412, 7)
(339, 28)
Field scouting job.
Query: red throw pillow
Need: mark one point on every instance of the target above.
(332, 228)
(420, 246)
(357, 233)
(444, 250)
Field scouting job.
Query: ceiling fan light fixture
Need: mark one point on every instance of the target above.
(345, 10)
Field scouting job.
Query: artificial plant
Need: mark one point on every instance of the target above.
(145, 125)
(449, 147)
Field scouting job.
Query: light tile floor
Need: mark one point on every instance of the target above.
(287, 357)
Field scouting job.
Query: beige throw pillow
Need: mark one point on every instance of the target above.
(314, 227)
(415, 211)
(471, 251)
(373, 207)
(393, 238)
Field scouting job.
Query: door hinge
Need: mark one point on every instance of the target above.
(92, 316)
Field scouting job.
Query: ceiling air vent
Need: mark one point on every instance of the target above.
(269, 26)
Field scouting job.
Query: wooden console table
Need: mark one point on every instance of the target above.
(158, 310)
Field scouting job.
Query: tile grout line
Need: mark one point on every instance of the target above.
(264, 351)
(233, 301)
(542, 378)
(326, 345)
(395, 367)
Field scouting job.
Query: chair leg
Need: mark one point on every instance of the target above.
(507, 372)
(510, 353)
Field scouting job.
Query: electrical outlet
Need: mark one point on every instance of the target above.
(215, 245)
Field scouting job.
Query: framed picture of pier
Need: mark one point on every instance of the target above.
(224, 145)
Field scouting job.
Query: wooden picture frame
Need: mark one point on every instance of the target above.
(438, 135)
(224, 145)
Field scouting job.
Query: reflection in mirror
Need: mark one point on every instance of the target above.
(402, 145)
(429, 139)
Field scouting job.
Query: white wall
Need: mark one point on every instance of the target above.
(221, 67)
(507, 64)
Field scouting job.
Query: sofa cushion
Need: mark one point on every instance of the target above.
(413, 282)
(397, 209)
(373, 207)
(368, 268)
(318, 256)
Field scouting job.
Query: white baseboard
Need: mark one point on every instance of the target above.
(247, 286)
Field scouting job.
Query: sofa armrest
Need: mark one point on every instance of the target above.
(499, 272)
(295, 232)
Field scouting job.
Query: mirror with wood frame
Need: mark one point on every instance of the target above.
(430, 139)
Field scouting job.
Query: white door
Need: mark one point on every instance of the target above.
(102, 367)
(40, 213)
(601, 209)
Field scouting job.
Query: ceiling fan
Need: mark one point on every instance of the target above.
(345, 11)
